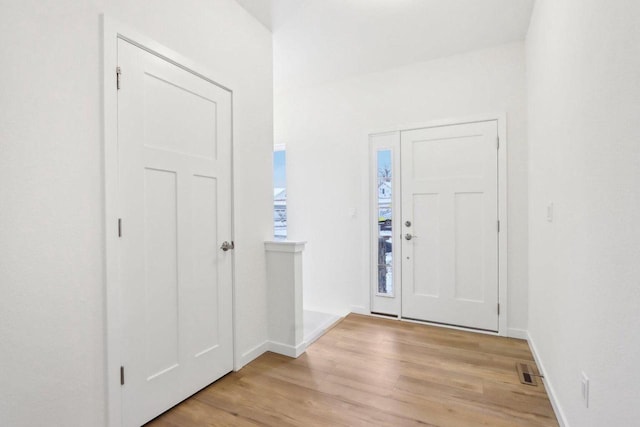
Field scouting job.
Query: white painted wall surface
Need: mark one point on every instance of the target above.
(583, 63)
(325, 129)
(52, 326)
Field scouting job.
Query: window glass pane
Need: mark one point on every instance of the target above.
(385, 223)
(279, 195)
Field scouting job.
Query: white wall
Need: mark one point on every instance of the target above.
(326, 132)
(52, 351)
(583, 65)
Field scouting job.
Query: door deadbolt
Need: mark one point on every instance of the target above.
(407, 223)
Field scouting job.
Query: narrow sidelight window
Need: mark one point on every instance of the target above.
(385, 223)
(279, 194)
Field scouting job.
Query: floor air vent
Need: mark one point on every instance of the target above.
(526, 373)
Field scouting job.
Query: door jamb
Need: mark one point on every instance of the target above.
(501, 119)
(113, 30)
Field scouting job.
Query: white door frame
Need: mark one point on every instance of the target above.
(501, 119)
(112, 31)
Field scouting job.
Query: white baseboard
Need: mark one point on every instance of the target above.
(521, 334)
(286, 349)
(321, 329)
(275, 347)
(250, 355)
(358, 309)
(562, 420)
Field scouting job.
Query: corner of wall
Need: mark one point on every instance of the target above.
(551, 391)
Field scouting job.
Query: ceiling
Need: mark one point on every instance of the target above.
(271, 13)
(321, 40)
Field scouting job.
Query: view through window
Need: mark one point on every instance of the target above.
(279, 195)
(385, 223)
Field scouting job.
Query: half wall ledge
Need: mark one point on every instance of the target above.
(285, 312)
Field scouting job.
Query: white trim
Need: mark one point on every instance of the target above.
(286, 349)
(289, 246)
(112, 30)
(555, 403)
(503, 284)
(503, 247)
(251, 355)
(112, 287)
(279, 147)
(446, 121)
(319, 331)
(521, 334)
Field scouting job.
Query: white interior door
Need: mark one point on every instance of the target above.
(174, 154)
(450, 249)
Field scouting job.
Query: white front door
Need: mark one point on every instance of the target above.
(174, 155)
(450, 225)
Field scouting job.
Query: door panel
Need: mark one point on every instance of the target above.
(193, 133)
(427, 249)
(449, 194)
(174, 153)
(469, 247)
(161, 271)
(202, 320)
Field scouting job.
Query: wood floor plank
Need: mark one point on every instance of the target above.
(195, 413)
(377, 372)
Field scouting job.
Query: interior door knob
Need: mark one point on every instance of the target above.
(409, 236)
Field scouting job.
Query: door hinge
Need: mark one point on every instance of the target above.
(497, 142)
(121, 375)
(118, 74)
(498, 309)
(119, 227)
(498, 226)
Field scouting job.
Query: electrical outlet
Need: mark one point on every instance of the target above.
(585, 389)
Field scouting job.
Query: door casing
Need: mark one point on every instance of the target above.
(112, 31)
(501, 119)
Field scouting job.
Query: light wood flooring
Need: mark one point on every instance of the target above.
(376, 372)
